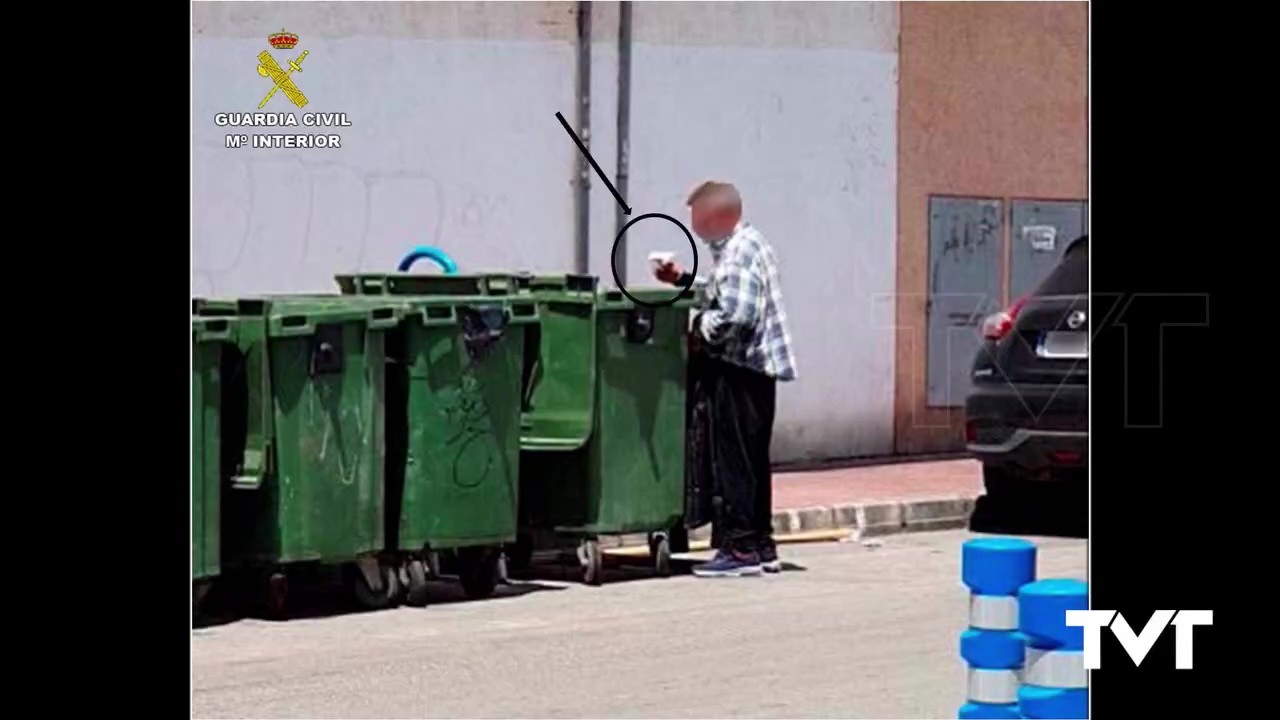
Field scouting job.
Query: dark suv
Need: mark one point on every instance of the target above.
(1027, 418)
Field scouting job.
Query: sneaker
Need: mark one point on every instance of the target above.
(769, 561)
(727, 564)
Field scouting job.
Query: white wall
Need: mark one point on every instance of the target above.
(455, 143)
(796, 104)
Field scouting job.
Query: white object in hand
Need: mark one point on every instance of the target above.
(658, 259)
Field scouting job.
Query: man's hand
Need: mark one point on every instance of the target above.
(667, 272)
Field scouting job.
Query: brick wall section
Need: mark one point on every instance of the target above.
(992, 103)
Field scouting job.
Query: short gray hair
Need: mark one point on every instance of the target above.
(720, 194)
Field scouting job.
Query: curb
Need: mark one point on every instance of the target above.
(861, 520)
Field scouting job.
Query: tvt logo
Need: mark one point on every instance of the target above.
(1138, 645)
(1142, 320)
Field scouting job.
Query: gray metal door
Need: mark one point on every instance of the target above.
(1041, 230)
(964, 287)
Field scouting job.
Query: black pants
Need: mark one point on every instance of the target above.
(741, 427)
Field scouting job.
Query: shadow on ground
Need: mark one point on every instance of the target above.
(321, 593)
(564, 568)
(1048, 510)
(313, 595)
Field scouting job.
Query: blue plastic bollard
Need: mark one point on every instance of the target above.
(994, 569)
(436, 255)
(1056, 684)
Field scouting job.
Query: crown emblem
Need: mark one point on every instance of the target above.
(282, 40)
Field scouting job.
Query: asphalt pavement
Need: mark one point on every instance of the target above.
(854, 630)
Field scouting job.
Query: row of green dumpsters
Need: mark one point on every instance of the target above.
(414, 426)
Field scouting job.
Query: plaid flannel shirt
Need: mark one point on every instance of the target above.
(745, 322)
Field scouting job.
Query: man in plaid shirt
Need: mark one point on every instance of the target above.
(743, 338)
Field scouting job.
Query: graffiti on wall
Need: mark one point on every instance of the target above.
(289, 223)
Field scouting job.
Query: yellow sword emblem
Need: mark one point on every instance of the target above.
(267, 67)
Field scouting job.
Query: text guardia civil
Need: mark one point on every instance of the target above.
(283, 140)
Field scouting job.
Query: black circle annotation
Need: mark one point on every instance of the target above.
(613, 260)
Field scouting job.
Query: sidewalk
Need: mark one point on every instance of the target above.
(878, 483)
(877, 500)
(861, 502)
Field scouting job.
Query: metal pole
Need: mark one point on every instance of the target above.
(581, 200)
(624, 124)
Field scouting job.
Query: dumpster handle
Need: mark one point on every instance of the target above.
(436, 255)
(213, 330)
(439, 315)
(293, 326)
(497, 285)
(522, 311)
(384, 317)
(371, 285)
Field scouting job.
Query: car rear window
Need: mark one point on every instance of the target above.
(1071, 275)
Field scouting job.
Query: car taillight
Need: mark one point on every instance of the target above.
(1000, 324)
(1066, 457)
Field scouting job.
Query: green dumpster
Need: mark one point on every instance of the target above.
(602, 452)
(304, 439)
(459, 361)
(456, 367)
(208, 339)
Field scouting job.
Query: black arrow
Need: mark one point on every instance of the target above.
(625, 210)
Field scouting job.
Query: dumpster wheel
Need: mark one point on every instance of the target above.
(417, 595)
(592, 560)
(376, 600)
(660, 553)
(277, 595)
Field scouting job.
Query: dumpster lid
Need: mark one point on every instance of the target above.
(654, 296)
(437, 310)
(470, 284)
(559, 283)
(292, 314)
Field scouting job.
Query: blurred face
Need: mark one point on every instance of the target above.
(712, 223)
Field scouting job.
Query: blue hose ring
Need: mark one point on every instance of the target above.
(436, 255)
